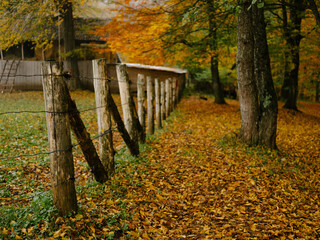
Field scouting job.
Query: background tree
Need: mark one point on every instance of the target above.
(37, 21)
(185, 33)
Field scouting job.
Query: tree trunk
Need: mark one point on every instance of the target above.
(70, 45)
(214, 61)
(263, 78)
(247, 88)
(314, 9)
(292, 30)
(217, 87)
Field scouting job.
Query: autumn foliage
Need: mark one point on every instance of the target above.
(195, 179)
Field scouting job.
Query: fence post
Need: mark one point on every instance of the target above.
(170, 94)
(141, 100)
(101, 89)
(150, 102)
(132, 146)
(174, 93)
(167, 98)
(126, 101)
(61, 159)
(158, 104)
(162, 100)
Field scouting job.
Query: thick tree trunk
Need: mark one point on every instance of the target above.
(289, 90)
(247, 88)
(263, 78)
(70, 45)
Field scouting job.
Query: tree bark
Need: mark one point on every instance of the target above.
(247, 88)
(214, 59)
(263, 78)
(314, 9)
(292, 34)
(101, 88)
(70, 44)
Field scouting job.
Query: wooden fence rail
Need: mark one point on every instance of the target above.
(29, 75)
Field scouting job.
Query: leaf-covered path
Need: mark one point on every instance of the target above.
(200, 182)
(193, 180)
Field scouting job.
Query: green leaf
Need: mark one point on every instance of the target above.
(260, 5)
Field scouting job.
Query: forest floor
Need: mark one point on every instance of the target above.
(194, 179)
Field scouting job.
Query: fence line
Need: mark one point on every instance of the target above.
(74, 114)
(29, 74)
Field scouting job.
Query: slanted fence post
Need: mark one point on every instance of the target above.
(101, 89)
(61, 159)
(167, 98)
(150, 102)
(162, 100)
(126, 102)
(158, 103)
(141, 96)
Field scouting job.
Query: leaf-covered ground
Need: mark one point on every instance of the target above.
(193, 180)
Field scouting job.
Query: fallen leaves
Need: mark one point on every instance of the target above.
(197, 180)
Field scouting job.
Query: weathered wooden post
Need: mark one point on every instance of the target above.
(61, 159)
(132, 146)
(174, 92)
(170, 95)
(141, 85)
(126, 101)
(101, 89)
(167, 98)
(158, 103)
(150, 102)
(162, 100)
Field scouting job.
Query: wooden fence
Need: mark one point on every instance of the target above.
(29, 75)
(156, 97)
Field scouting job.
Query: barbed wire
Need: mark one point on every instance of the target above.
(63, 112)
(56, 151)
